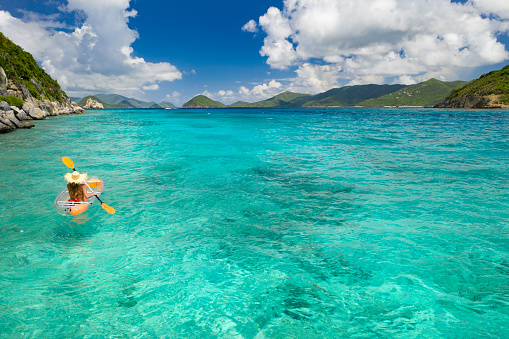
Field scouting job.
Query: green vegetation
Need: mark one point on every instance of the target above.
(12, 101)
(21, 67)
(201, 101)
(82, 102)
(239, 104)
(285, 99)
(422, 94)
(119, 101)
(167, 104)
(351, 95)
(495, 82)
(425, 93)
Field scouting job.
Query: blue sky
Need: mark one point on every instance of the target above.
(252, 50)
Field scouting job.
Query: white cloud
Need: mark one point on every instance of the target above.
(257, 93)
(152, 87)
(96, 56)
(225, 93)
(377, 40)
(498, 8)
(315, 78)
(251, 26)
(277, 47)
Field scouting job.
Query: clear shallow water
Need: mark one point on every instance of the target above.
(318, 223)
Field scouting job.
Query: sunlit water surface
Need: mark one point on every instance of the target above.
(306, 223)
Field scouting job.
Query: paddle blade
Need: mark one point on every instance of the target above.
(92, 183)
(68, 162)
(107, 208)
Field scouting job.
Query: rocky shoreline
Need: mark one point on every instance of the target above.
(473, 101)
(13, 117)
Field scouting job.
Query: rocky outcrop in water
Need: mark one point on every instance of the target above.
(473, 101)
(13, 117)
(93, 104)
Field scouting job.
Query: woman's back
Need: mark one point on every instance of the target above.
(75, 191)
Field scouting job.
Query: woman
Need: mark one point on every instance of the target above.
(76, 187)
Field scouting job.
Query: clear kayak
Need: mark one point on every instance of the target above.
(66, 207)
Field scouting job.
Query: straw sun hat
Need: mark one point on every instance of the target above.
(75, 177)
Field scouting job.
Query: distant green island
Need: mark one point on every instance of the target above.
(491, 90)
(427, 93)
(119, 101)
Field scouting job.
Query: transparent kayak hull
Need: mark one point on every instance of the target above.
(70, 208)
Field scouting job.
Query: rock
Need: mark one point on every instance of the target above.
(93, 104)
(12, 86)
(7, 122)
(34, 82)
(34, 112)
(25, 92)
(27, 125)
(20, 114)
(51, 108)
(5, 128)
(37, 113)
(3, 79)
(9, 115)
(470, 101)
(76, 109)
(4, 106)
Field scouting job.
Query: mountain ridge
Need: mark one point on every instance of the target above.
(425, 93)
(120, 101)
(428, 93)
(490, 90)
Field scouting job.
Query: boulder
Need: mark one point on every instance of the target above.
(34, 112)
(21, 114)
(76, 109)
(93, 104)
(7, 122)
(27, 125)
(51, 108)
(37, 113)
(5, 128)
(9, 115)
(4, 106)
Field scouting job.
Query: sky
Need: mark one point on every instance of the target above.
(251, 50)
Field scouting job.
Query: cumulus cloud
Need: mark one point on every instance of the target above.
(94, 57)
(277, 45)
(152, 87)
(251, 26)
(496, 8)
(377, 40)
(256, 93)
(315, 78)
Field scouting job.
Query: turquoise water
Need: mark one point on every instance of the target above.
(309, 223)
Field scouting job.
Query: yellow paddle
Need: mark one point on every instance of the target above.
(93, 183)
(69, 163)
